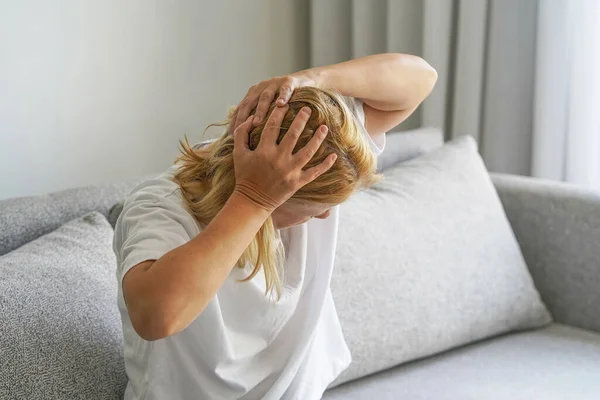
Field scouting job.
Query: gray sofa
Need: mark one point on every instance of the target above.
(558, 230)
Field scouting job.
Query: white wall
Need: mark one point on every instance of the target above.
(101, 90)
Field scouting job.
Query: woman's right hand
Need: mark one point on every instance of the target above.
(271, 174)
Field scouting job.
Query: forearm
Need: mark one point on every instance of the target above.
(179, 285)
(387, 82)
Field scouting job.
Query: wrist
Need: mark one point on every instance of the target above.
(317, 76)
(252, 201)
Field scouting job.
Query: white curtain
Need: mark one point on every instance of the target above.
(521, 76)
(566, 135)
(483, 50)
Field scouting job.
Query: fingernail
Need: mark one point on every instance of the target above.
(306, 110)
(324, 130)
(256, 120)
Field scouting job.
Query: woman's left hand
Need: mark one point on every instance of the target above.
(261, 95)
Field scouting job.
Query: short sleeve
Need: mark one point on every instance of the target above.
(149, 227)
(357, 107)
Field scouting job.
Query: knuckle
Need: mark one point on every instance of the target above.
(294, 133)
(308, 152)
(289, 182)
(267, 94)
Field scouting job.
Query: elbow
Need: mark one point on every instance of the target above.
(424, 76)
(413, 62)
(160, 322)
(416, 77)
(430, 77)
(430, 73)
(422, 70)
(151, 325)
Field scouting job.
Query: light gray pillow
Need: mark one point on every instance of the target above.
(427, 261)
(60, 335)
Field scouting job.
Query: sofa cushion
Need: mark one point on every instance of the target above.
(553, 363)
(60, 336)
(23, 219)
(406, 145)
(427, 261)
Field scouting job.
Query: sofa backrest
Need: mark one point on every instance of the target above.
(24, 219)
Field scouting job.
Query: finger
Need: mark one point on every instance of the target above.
(305, 154)
(233, 123)
(285, 92)
(295, 130)
(271, 130)
(264, 102)
(313, 173)
(244, 109)
(241, 135)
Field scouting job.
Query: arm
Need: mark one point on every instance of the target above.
(385, 82)
(558, 228)
(391, 86)
(164, 296)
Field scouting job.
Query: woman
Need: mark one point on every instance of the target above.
(225, 259)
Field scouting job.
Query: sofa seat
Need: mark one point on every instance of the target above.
(553, 363)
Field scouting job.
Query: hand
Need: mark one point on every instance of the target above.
(271, 174)
(261, 95)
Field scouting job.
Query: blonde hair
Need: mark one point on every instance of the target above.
(207, 178)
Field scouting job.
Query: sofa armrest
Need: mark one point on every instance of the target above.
(558, 228)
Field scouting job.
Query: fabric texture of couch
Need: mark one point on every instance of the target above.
(557, 227)
(557, 362)
(60, 329)
(447, 269)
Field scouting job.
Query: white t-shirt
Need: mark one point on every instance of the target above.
(244, 345)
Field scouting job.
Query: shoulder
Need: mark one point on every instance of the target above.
(160, 186)
(157, 203)
(154, 221)
(356, 106)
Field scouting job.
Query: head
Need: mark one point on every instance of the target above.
(298, 212)
(207, 178)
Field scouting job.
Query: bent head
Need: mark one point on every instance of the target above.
(293, 213)
(353, 170)
(207, 176)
